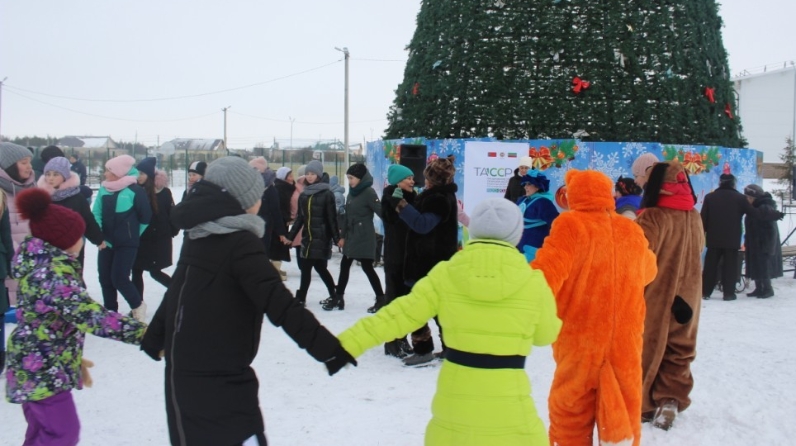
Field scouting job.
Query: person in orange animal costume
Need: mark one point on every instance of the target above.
(597, 263)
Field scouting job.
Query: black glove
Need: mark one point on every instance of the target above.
(780, 215)
(681, 310)
(340, 359)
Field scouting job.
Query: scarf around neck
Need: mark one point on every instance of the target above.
(121, 183)
(676, 196)
(227, 225)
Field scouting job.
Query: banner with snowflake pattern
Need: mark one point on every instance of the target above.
(554, 157)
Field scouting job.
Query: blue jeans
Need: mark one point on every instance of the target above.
(114, 266)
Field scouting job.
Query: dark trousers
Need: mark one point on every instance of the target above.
(379, 245)
(367, 266)
(320, 267)
(299, 260)
(159, 276)
(729, 270)
(115, 265)
(394, 281)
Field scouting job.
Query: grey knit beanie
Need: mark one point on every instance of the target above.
(315, 167)
(10, 153)
(496, 219)
(240, 179)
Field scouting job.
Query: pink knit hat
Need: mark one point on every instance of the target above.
(121, 165)
(259, 163)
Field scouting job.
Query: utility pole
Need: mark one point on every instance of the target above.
(1, 99)
(292, 120)
(344, 50)
(225, 127)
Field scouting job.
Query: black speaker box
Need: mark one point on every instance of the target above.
(414, 157)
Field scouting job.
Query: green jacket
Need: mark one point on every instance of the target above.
(358, 230)
(488, 301)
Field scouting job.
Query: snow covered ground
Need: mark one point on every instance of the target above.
(744, 372)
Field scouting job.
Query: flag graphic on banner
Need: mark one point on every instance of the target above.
(512, 154)
(492, 154)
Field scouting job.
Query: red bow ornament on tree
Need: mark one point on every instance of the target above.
(578, 85)
(415, 89)
(728, 110)
(709, 93)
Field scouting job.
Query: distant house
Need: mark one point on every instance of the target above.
(88, 143)
(182, 145)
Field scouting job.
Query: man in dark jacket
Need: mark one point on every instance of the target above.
(722, 212)
(222, 287)
(514, 190)
(432, 238)
(79, 168)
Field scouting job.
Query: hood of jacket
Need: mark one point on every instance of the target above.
(206, 202)
(36, 254)
(589, 190)
(488, 269)
(13, 186)
(269, 176)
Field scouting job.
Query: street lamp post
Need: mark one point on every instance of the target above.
(344, 50)
(1, 97)
(225, 127)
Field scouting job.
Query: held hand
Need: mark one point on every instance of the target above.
(340, 359)
(341, 243)
(286, 241)
(102, 246)
(85, 364)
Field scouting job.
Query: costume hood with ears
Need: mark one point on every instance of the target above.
(667, 179)
(589, 190)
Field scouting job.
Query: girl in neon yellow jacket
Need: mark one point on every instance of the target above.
(493, 308)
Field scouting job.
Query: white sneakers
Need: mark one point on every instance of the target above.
(140, 312)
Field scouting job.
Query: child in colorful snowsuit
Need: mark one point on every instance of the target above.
(54, 313)
(493, 309)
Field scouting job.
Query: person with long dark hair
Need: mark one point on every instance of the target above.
(155, 249)
(285, 187)
(317, 221)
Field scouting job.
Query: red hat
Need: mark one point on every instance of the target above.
(55, 224)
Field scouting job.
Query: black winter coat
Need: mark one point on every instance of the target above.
(285, 191)
(358, 231)
(763, 250)
(79, 204)
(317, 218)
(80, 169)
(221, 289)
(514, 191)
(395, 229)
(424, 251)
(155, 250)
(722, 212)
(274, 225)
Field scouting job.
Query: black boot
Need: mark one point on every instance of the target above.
(301, 296)
(768, 290)
(380, 302)
(393, 348)
(758, 289)
(335, 302)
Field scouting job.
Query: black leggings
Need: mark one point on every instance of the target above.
(320, 267)
(367, 266)
(159, 276)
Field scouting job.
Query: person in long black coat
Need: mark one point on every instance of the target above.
(285, 187)
(155, 248)
(275, 230)
(317, 220)
(763, 250)
(222, 289)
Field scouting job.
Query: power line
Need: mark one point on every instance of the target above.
(304, 122)
(378, 60)
(179, 97)
(110, 117)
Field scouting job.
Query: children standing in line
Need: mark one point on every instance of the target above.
(64, 188)
(123, 212)
(358, 236)
(493, 309)
(44, 368)
(154, 249)
(317, 222)
(597, 264)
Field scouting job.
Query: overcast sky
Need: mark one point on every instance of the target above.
(281, 52)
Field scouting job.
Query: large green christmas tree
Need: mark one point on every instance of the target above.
(637, 70)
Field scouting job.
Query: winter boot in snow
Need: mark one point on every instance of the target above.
(140, 312)
(768, 290)
(758, 289)
(380, 302)
(393, 348)
(301, 297)
(665, 414)
(406, 347)
(419, 360)
(336, 302)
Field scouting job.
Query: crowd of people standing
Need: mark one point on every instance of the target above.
(626, 337)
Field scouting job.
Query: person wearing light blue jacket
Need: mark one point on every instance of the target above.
(123, 213)
(538, 212)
